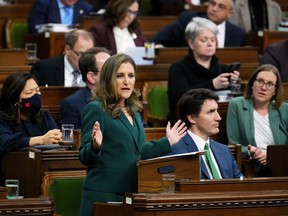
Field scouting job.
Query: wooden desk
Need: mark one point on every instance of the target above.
(5, 71)
(52, 97)
(30, 167)
(226, 55)
(256, 203)
(28, 206)
(11, 11)
(273, 37)
(150, 25)
(247, 184)
(3, 192)
(13, 57)
(49, 44)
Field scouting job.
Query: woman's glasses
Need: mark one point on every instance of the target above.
(261, 83)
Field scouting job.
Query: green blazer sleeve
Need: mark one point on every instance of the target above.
(113, 168)
(240, 123)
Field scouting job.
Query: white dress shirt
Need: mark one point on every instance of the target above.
(221, 34)
(68, 75)
(200, 143)
(123, 39)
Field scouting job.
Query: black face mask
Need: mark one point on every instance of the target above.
(32, 104)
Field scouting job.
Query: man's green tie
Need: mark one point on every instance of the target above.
(210, 163)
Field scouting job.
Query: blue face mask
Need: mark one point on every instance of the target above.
(32, 104)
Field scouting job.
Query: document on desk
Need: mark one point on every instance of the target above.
(179, 155)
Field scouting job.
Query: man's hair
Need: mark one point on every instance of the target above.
(87, 61)
(72, 37)
(190, 103)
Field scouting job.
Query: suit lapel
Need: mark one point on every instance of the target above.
(192, 147)
(59, 72)
(127, 124)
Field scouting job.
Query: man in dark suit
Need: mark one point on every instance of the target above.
(64, 70)
(277, 55)
(198, 109)
(218, 11)
(57, 11)
(90, 64)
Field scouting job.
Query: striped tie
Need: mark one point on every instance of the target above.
(75, 73)
(210, 162)
(67, 18)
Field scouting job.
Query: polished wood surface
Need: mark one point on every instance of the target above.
(13, 57)
(52, 97)
(30, 167)
(226, 55)
(256, 203)
(49, 44)
(28, 206)
(150, 25)
(3, 191)
(271, 37)
(246, 184)
(5, 71)
(150, 174)
(10, 12)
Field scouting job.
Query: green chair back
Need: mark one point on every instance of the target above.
(67, 194)
(158, 102)
(18, 32)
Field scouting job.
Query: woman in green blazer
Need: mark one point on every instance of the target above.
(260, 118)
(113, 137)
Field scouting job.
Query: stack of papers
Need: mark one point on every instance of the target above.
(53, 27)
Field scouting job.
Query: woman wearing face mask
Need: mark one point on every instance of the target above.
(22, 123)
(119, 27)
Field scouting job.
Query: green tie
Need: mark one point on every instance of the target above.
(210, 162)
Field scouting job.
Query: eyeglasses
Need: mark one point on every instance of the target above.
(130, 12)
(261, 83)
(78, 54)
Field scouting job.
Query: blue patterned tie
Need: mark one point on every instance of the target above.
(75, 73)
(67, 19)
(210, 162)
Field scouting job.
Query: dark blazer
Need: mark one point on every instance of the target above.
(71, 107)
(104, 36)
(13, 139)
(173, 35)
(113, 168)
(225, 160)
(277, 55)
(47, 11)
(187, 74)
(49, 71)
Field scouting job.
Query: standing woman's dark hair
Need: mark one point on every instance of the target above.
(107, 92)
(10, 94)
(116, 10)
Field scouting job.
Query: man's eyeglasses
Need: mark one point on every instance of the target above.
(261, 83)
(130, 12)
(78, 54)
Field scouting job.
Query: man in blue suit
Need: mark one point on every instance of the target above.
(218, 11)
(198, 109)
(90, 64)
(57, 11)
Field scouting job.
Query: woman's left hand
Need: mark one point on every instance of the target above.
(175, 133)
